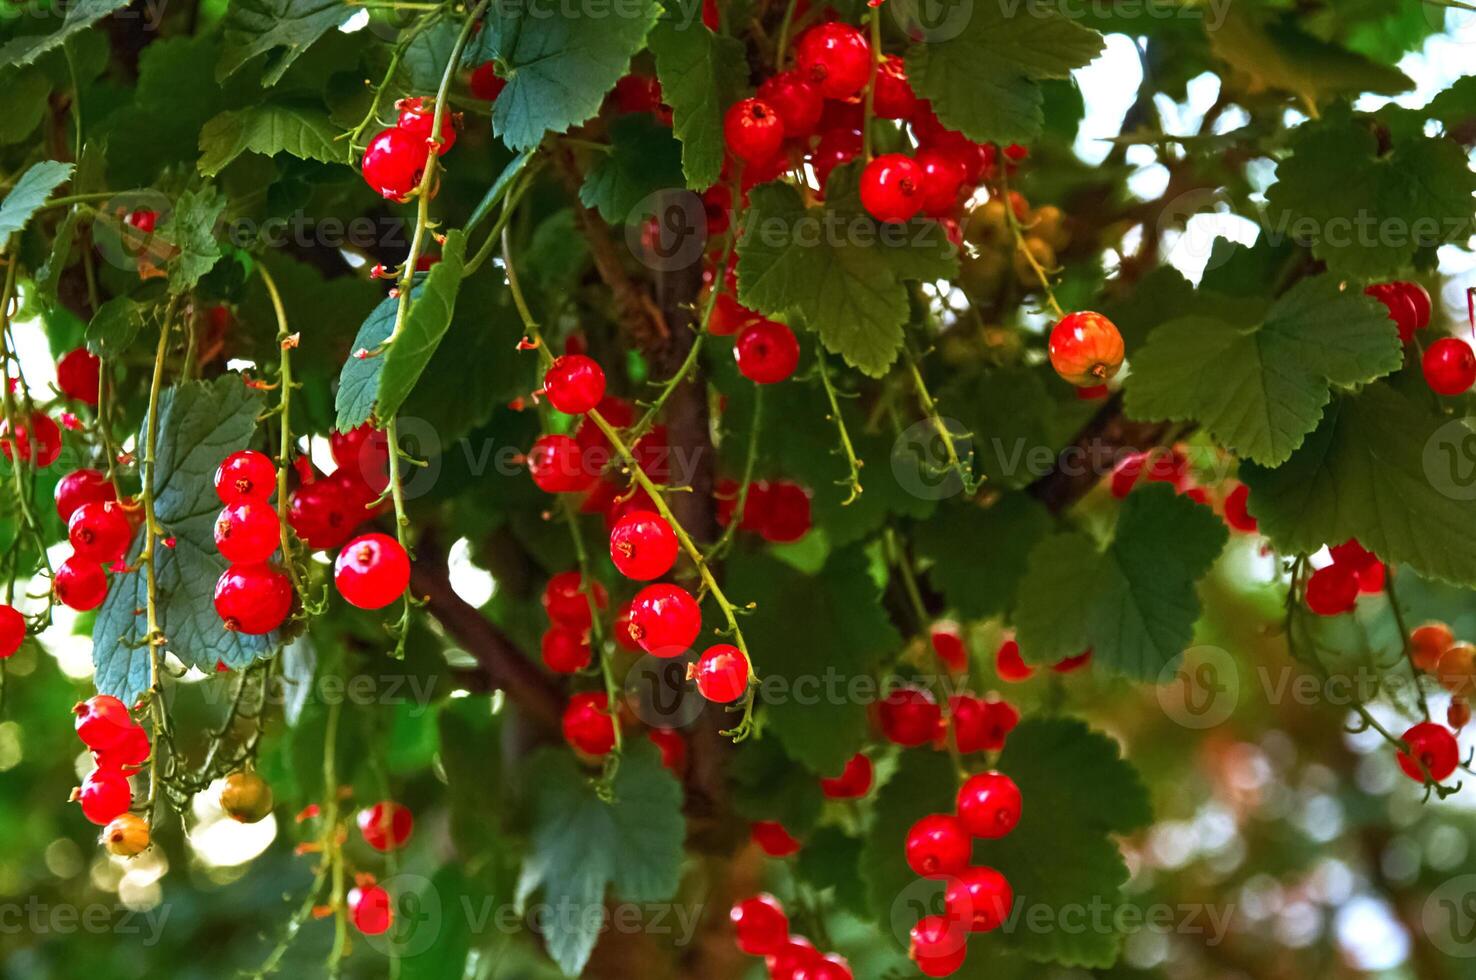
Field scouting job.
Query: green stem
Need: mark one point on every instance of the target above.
(854, 480)
(930, 408)
(154, 636)
(332, 849)
(1014, 223)
(285, 343)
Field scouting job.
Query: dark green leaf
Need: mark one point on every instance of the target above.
(981, 581)
(79, 15)
(643, 159)
(304, 132)
(30, 193)
(255, 27)
(114, 326)
(701, 74)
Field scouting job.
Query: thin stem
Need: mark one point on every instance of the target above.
(389, 76)
(332, 846)
(873, 19)
(720, 547)
(154, 636)
(784, 29)
(285, 342)
(854, 480)
(1014, 223)
(930, 408)
(1414, 671)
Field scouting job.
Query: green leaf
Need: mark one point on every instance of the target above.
(559, 65)
(1260, 386)
(701, 74)
(980, 583)
(643, 159)
(1385, 469)
(499, 188)
(378, 385)
(26, 90)
(1134, 603)
(190, 228)
(114, 326)
(838, 268)
(255, 27)
(80, 15)
(200, 424)
(581, 844)
(984, 82)
(302, 131)
(1015, 427)
(30, 193)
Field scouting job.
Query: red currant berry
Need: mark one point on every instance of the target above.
(729, 316)
(131, 751)
(989, 805)
(253, 599)
(834, 148)
(574, 384)
(1009, 665)
(796, 956)
(587, 725)
(1237, 514)
(981, 726)
(831, 967)
(81, 487)
(1333, 590)
(362, 453)
(637, 93)
(753, 131)
(1449, 366)
(418, 119)
(938, 946)
(102, 721)
(77, 376)
(796, 101)
(80, 584)
(854, 781)
(99, 531)
(372, 571)
(643, 545)
(567, 603)
(979, 898)
(386, 826)
(394, 162)
(673, 749)
(105, 795)
(1085, 349)
(143, 219)
(485, 84)
(893, 98)
(909, 717)
(247, 532)
(38, 440)
(948, 645)
(665, 620)
(1458, 714)
(786, 512)
(760, 925)
(1401, 308)
(836, 57)
(773, 839)
(246, 475)
(565, 651)
(938, 847)
(557, 465)
(1418, 298)
(369, 907)
(12, 630)
(891, 187)
(721, 673)
(320, 515)
(767, 352)
(1432, 747)
(942, 179)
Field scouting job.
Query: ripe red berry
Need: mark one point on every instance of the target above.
(363, 454)
(673, 749)
(722, 673)
(372, 571)
(979, 898)
(835, 57)
(485, 84)
(105, 795)
(417, 117)
(642, 545)
(637, 93)
(942, 178)
(988, 805)
(394, 162)
(99, 531)
(853, 782)
(247, 532)
(1449, 366)
(785, 511)
(909, 717)
(565, 651)
(1009, 665)
(1400, 306)
(939, 946)
(893, 97)
(321, 515)
(796, 101)
(574, 384)
(760, 925)
(1333, 590)
(665, 620)
(80, 584)
(567, 603)
(767, 352)
(948, 645)
(834, 148)
(891, 187)
(981, 726)
(77, 376)
(12, 630)
(246, 475)
(253, 599)
(81, 487)
(386, 826)
(830, 967)
(369, 907)
(130, 752)
(1237, 514)
(102, 721)
(557, 465)
(37, 440)
(1085, 348)
(587, 724)
(753, 131)
(938, 847)
(1419, 299)
(1432, 746)
(773, 839)
(143, 219)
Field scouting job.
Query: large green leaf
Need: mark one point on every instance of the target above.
(980, 582)
(701, 74)
(79, 15)
(643, 159)
(302, 131)
(30, 193)
(255, 27)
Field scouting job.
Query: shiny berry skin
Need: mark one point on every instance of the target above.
(642, 545)
(948, 645)
(767, 352)
(556, 463)
(1085, 349)
(835, 147)
(979, 725)
(247, 532)
(81, 487)
(105, 795)
(938, 847)
(143, 219)
(773, 839)
(321, 515)
(942, 178)
(753, 131)
(102, 721)
(893, 97)
(587, 724)
(246, 797)
(418, 119)
(369, 908)
(372, 571)
(130, 752)
(988, 805)
(246, 475)
(1009, 665)
(835, 57)
(831, 967)
(1449, 366)
(853, 782)
(574, 384)
(386, 825)
(665, 620)
(566, 602)
(38, 441)
(363, 453)
(1428, 643)
(979, 899)
(760, 925)
(565, 651)
(722, 673)
(12, 630)
(99, 532)
(253, 599)
(796, 956)
(909, 717)
(1236, 513)
(77, 375)
(785, 512)
(1401, 308)
(797, 103)
(1433, 746)
(80, 584)
(1333, 590)
(394, 163)
(891, 187)
(126, 835)
(673, 749)
(1419, 299)
(485, 84)
(938, 946)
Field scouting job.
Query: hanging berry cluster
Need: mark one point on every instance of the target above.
(119, 748)
(761, 928)
(253, 595)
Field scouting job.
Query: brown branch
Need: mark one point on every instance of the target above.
(1106, 438)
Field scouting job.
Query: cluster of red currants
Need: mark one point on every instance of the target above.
(394, 161)
(385, 826)
(253, 595)
(911, 717)
(565, 645)
(1334, 589)
(99, 529)
(1449, 364)
(761, 928)
(325, 511)
(776, 510)
(1434, 650)
(119, 747)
